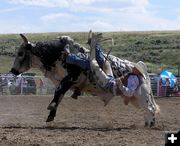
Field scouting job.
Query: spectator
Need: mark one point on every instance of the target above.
(41, 85)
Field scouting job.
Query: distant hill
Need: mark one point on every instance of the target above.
(159, 50)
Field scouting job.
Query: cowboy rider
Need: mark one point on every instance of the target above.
(102, 71)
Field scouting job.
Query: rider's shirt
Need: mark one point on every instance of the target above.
(133, 83)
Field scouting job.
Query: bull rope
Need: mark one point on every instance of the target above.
(112, 44)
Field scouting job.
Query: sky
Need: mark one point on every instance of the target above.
(34, 16)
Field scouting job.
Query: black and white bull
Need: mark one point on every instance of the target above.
(49, 58)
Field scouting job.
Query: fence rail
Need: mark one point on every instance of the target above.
(39, 85)
(24, 85)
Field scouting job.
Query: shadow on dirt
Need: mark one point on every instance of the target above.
(103, 129)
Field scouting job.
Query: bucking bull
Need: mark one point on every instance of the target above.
(49, 58)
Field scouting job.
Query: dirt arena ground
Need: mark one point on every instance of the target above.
(82, 122)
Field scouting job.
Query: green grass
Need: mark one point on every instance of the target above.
(159, 50)
(5, 63)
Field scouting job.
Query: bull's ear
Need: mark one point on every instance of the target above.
(24, 38)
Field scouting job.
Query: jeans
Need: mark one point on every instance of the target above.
(99, 56)
(84, 63)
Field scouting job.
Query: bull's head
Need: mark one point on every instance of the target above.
(22, 61)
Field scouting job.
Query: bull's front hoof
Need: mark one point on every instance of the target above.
(76, 93)
(52, 106)
(50, 119)
(74, 96)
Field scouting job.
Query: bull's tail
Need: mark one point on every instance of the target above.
(156, 106)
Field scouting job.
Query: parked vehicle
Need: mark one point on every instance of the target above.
(154, 80)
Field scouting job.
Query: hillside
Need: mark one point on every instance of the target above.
(159, 50)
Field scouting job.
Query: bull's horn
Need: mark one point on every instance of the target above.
(24, 38)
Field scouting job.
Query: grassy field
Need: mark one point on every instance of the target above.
(159, 50)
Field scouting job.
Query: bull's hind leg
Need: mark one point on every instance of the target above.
(149, 116)
(149, 112)
(145, 101)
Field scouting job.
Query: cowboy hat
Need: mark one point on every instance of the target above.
(140, 67)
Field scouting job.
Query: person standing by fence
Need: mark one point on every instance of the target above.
(41, 85)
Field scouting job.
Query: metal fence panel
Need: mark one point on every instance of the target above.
(39, 85)
(25, 85)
